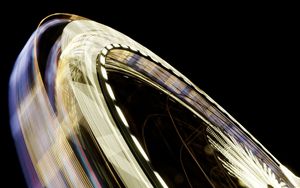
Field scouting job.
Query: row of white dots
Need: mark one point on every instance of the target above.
(103, 53)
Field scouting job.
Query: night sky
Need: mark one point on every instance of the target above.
(243, 56)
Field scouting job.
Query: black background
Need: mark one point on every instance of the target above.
(243, 55)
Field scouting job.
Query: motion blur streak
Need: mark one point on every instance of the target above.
(68, 133)
(35, 124)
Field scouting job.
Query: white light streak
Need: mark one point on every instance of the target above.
(124, 46)
(116, 45)
(102, 59)
(104, 51)
(241, 162)
(122, 116)
(104, 73)
(109, 47)
(163, 183)
(110, 91)
(138, 145)
(133, 49)
(143, 53)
